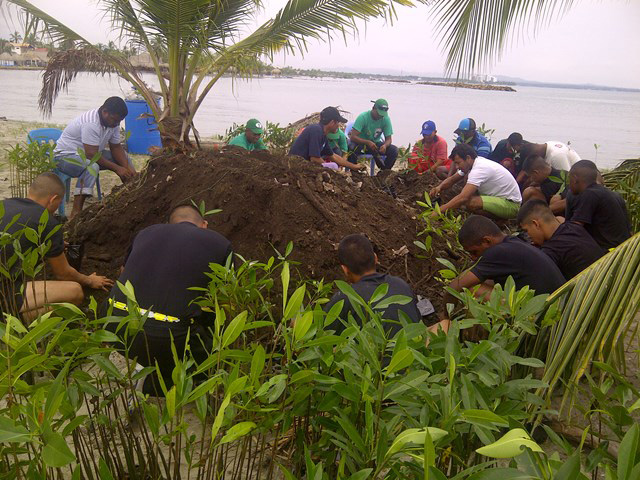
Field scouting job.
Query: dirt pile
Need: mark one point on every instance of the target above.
(266, 202)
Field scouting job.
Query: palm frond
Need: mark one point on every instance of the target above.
(474, 33)
(597, 309)
(64, 66)
(57, 31)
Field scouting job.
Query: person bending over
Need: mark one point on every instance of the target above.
(367, 133)
(556, 154)
(568, 244)
(547, 184)
(313, 144)
(602, 212)
(430, 153)
(506, 153)
(32, 298)
(358, 262)
(250, 139)
(163, 263)
(491, 190)
(91, 132)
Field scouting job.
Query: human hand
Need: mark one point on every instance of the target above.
(98, 282)
(383, 148)
(372, 146)
(125, 174)
(435, 191)
(358, 166)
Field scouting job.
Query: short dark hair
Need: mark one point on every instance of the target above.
(526, 151)
(116, 106)
(463, 150)
(47, 184)
(475, 228)
(515, 139)
(185, 213)
(534, 209)
(586, 171)
(533, 162)
(356, 253)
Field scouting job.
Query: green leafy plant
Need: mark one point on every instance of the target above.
(27, 161)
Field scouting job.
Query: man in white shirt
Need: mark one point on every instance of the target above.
(491, 190)
(92, 132)
(556, 154)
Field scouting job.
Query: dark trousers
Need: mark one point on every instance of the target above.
(391, 154)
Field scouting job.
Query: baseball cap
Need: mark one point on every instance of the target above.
(332, 113)
(255, 126)
(428, 127)
(466, 124)
(382, 106)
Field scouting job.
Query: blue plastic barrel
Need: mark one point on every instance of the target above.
(143, 132)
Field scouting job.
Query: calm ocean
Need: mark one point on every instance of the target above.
(582, 117)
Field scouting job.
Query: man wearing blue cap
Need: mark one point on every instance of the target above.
(430, 153)
(467, 134)
(367, 136)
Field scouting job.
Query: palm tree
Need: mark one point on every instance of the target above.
(202, 40)
(15, 37)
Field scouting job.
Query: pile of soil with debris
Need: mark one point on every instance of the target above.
(266, 202)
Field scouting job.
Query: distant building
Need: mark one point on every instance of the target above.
(31, 58)
(484, 78)
(20, 48)
(143, 60)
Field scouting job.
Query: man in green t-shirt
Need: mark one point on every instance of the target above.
(338, 143)
(250, 139)
(367, 136)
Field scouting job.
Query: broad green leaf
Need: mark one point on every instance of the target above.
(483, 418)
(570, 469)
(103, 470)
(510, 445)
(237, 431)
(234, 329)
(400, 360)
(302, 325)
(628, 452)
(56, 453)
(361, 475)
(170, 401)
(12, 433)
(413, 436)
(217, 423)
(257, 364)
(502, 474)
(294, 303)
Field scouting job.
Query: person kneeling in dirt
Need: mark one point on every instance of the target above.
(313, 144)
(547, 184)
(358, 262)
(568, 244)
(250, 140)
(491, 190)
(21, 218)
(430, 153)
(91, 132)
(163, 263)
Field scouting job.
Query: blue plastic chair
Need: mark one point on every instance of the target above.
(46, 135)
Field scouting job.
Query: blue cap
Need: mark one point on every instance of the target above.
(428, 127)
(466, 124)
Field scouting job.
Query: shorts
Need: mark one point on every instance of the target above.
(500, 207)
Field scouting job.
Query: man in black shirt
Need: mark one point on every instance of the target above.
(602, 212)
(20, 218)
(567, 244)
(547, 184)
(313, 144)
(358, 262)
(163, 263)
(505, 153)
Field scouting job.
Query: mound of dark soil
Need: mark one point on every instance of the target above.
(266, 202)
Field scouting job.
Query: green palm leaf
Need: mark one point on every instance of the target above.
(474, 33)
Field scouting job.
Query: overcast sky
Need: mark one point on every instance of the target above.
(595, 42)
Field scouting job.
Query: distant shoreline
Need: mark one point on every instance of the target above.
(473, 86)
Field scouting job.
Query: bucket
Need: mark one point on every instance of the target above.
(143, 132)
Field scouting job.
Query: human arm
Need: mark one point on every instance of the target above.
(446, 184)
(120, 157)
(383, 148)
(124, 173)
(355, 138)
(343, 162)
(440, 156)
(461, 199)
(63, 271)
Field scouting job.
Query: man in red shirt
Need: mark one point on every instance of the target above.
(430, 153)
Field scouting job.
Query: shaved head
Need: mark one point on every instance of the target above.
(46, 185)
(586, 171)
(186, 213)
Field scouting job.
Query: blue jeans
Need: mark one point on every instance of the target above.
(86, 173)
